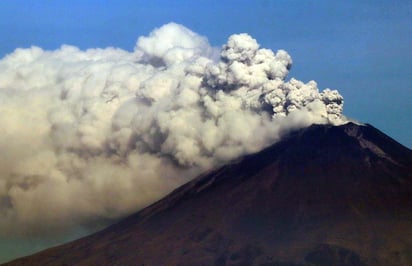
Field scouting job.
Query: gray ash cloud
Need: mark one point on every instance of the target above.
(97, 134)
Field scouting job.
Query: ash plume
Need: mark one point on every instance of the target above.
(89, 136)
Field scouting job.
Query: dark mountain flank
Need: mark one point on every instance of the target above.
(325, 195)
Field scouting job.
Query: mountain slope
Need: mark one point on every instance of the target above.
(325, 195)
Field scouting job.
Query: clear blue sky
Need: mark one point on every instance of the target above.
(361, 48)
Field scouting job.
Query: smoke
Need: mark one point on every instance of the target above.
(90, 136)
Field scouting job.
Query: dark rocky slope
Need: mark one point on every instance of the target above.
(325, 195)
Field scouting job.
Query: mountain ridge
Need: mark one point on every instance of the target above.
(323, 195)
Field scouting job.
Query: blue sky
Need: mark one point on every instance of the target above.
(361, 48)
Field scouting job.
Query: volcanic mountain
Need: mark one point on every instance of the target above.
(324, 195)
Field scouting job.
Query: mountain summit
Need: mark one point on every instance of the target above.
(325, 195)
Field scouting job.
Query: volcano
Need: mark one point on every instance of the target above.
(324, 195)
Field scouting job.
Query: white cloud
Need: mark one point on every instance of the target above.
(97, 134)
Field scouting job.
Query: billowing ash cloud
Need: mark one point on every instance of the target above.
(89, 136)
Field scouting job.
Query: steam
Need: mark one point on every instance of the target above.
(90, 136)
